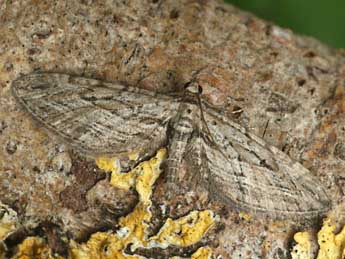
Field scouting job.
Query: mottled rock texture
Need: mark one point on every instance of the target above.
(285, 88)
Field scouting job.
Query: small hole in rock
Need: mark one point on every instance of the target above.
(301, 82)
(174, 14)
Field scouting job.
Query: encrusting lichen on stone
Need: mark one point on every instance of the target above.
(181, 232)
(331, 245)
(34, 247)
(132, 232)
(8, 220)
(184, 231)
(8, 223)
(302, 249)
(245, 216)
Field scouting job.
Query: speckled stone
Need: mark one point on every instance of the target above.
(288, 89)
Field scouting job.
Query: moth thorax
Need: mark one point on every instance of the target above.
(184, 125)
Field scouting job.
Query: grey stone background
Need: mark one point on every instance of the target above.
(285, 88)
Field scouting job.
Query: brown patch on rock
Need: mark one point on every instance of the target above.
(327, 141)
(13, 239)
(86, 174)
(55, 236)
(3, 126)
(339, 151)
(180, 203)
(115, 200)
(113, 41)
(279, 103)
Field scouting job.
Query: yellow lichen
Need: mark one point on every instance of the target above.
(8, 221)
(34, 247)
(101, 245)
(5, 228)
(107, 164)
(8, 224)
(245, 216)
(202, 253)
(133, 227)
(133, 156)
(302, 249)
(332, 246)
(184, 231)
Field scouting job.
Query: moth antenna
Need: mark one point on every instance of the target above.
(266, 126)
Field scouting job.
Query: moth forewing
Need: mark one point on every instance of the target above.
(95, 117)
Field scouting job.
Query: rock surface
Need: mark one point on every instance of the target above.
(288, 89)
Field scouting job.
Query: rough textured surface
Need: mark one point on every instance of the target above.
(285, 88)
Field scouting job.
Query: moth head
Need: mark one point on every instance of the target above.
(193, 87)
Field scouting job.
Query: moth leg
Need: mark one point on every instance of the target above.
(126, 164)
(130, 161)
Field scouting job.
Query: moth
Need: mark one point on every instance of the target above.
(237, 167)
